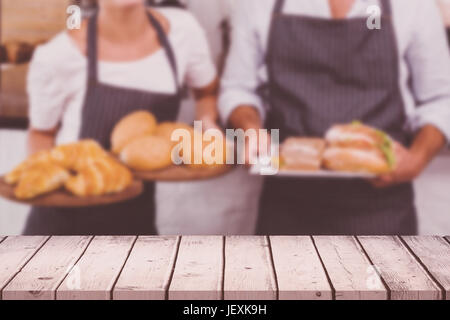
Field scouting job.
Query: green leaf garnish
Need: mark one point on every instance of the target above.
(387, 148)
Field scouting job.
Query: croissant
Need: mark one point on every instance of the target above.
(40, 178)
(103, 175)
(14, 176)
(97, 173)
(77, 156)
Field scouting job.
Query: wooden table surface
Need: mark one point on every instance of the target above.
(231, 268)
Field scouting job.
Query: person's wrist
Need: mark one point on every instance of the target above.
(420, 159)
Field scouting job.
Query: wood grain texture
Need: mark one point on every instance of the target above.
(94, 275)
(249, 273)
(298, 270)
(63, 199)
(198, 273)
(403, 274)
(148, 270)
(349, 269)
(434, 253)
(15, 252)
(42, 275)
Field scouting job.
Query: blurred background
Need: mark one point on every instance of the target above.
(25, 24)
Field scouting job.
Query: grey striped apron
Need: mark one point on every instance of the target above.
(323, 72)
(104, 106)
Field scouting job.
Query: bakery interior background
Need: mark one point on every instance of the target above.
(32, 22)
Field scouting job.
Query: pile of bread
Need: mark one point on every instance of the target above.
(143, 144)
(83, 169)
(86, 169)
(346, 148)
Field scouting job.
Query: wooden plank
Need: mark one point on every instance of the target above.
(94, 275)
(434, 253)
(148, 270)
(350, 271)
(198, 273)
(298, 270)
(15, 252)
(402, 273)
(249, 273)
(42, 275)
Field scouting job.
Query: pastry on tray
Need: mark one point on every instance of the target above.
(83, 168)
(359, 148)
(303, 154)
(39, 179)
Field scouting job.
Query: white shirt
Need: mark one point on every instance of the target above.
(423, 55)
(58, 74)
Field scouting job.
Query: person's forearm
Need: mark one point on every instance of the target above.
(206, 109)
(40, 140)
(246, 117)
(428, 142)
(206, 103)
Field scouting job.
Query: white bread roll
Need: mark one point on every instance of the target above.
(134, 125)
(355, 160)
(302, 154)
(147, 153)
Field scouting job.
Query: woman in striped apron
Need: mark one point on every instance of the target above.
(104, 105)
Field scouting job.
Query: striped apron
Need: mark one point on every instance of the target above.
(323, 72)
(104, 106)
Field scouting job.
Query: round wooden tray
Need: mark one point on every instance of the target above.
(63, 199)
(183, 173)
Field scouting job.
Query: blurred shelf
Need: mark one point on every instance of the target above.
(17, 123)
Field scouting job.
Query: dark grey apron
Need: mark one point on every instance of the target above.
(104, 106)
(323, 72)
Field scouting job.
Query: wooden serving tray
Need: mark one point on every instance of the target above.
(183, 173)
(63, 199)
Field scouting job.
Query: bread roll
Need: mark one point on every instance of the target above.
(134, 125)
(355, 135)
(355, 160)
(302, 154)
(357, 147)
(147, 153)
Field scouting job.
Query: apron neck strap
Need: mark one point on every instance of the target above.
(92, 51)
(279, 5)
(385, 7)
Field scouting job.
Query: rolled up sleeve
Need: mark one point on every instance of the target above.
(241, 78)
(429, 59)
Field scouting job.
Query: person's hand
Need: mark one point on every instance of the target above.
(409, 166)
